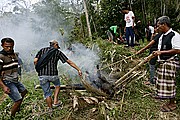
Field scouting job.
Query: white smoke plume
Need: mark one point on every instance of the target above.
(30, 37)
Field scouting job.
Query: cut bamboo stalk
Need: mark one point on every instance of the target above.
(117, 62)
(117, 83)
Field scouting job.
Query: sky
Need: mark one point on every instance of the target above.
(31, 1)
(6, 5)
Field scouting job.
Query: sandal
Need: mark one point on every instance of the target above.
(57, 105)
(172, 106)
(165, 108)
(168, 107)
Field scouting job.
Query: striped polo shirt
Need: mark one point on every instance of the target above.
(9, 67)
(51, 68)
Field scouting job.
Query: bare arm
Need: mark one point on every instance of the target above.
(146, 47)
(172, 51)
(74, 66)
(3, 86)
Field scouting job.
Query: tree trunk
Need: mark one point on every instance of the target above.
(164, 8)
(143, 10)
(161, 7)
(94, 24)
(87, 19)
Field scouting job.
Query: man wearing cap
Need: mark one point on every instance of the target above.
(49, 73)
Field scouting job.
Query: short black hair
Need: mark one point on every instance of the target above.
(8, 40)
(124, 8)
(164, 20)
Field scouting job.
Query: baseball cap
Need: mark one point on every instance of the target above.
(54, 42)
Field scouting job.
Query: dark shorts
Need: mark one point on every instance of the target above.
(45, 84)
(16, 90)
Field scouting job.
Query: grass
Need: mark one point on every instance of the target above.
(137, 105)
(137, 102)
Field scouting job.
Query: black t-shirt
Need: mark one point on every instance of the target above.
(154, 47)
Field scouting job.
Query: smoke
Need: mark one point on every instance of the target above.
(27, 39)
(85, 58)
(30, 35)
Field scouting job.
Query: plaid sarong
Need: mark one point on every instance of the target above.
(165, 78)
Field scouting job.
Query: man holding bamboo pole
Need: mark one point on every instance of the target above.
(168, 63)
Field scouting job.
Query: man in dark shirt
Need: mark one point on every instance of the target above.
(49, 73)
(9, 75)
(153, 45)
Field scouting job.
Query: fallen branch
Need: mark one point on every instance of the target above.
(62, 87)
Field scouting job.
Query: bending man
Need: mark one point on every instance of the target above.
(49, 73)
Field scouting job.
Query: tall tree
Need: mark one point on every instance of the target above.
(87, 19)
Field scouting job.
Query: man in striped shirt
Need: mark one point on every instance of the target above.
(9, 75)
(49, 73)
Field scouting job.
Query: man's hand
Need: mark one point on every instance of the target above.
(6, 90)
(156, 53)
(79, 72)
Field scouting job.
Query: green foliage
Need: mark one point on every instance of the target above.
(107, 13)
(53, 16)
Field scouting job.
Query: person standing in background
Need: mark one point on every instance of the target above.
(138, 32)
(149, 30)
(128, 29)
(152, 46)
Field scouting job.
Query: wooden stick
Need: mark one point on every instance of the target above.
(122, 100)
(62, 87)
(136, 67)
(117, 62)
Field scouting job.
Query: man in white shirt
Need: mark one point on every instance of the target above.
(168, 48)
(149, 30)
(129, 18)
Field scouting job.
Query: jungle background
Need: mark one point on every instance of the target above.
(81, 25)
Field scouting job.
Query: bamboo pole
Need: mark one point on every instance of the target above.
(117, 62)
(136, 67)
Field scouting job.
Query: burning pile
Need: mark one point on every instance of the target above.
(98, 83)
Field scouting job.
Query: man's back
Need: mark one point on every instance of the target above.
(51, 66)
